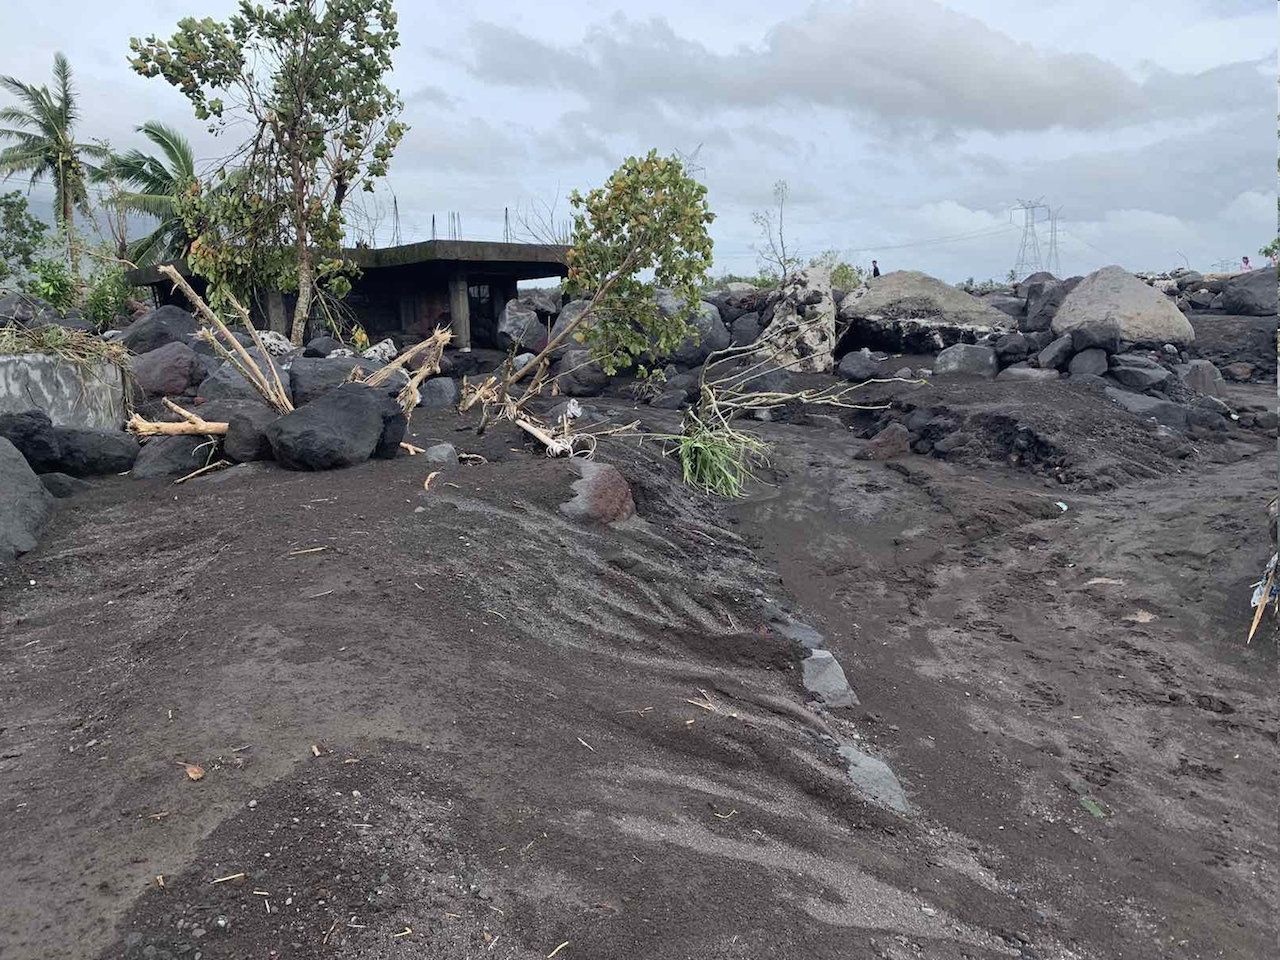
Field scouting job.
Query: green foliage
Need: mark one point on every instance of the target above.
(649, 386)
(106, 296)
(21, 237)
(716, 457)
(844, 275)
(976, 288)
(52, 281)
(307, 76)
(651, 217)
(765, 280)
(1272, 249)
(40, 129)
(156, 182)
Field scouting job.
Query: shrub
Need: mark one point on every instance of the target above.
(106, 296)
(52, 282)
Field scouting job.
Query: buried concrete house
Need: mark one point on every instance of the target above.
(406, 292)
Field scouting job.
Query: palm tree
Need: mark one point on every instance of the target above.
(41, 131)
(158, 181)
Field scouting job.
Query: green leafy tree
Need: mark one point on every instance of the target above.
(306, 77)
(153, 184)
(844, 274)
(649, 218)
(40, 131)
(21, 236)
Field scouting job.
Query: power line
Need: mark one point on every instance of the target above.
(1028, 261)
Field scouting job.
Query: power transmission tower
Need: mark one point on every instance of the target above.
(1028, 261)
(1052, 263)
(395, 222)
(690, 162)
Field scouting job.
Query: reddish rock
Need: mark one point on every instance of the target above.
(893, 441)
(601, 494)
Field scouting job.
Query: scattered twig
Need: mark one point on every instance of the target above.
(557, 950)
(216, 465)
(233, 876)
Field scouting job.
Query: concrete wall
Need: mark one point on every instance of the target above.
(72, 396)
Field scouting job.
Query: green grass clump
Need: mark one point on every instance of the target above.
(716, 457)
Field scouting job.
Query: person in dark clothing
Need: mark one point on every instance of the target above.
(875, 269)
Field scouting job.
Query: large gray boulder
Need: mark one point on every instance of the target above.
(735, 299)
(1143, 314)
(74, 395)
(168, 324)
(1044, 297)
(227, 383)
(911, 312)
(545, 302)
(1203, 377)
(966, 359)
(343, 427)
(171, 457)
(569, 313)
(312, 377)
(803, 328)
(1251, 294)
(1138, 372)
(519, 324)
(708, 330)
(24, 504)
(167, 371)
(579, 375)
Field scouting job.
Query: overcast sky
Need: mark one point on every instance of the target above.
(906, 129)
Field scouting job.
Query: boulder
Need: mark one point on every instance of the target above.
(63, 485)
(670, 399)
(312, 377)
(1137, 372)
(568, 314)
(1201, 299)
(1251, 294)
(735, 299)
(910, 312)
(1043, 300)
(167, 371)
(246, 438)
(20, 308)
(227, 383)
(394, 422)
(1007, 304)
(1040, 277)
(321, 346)
(1011, 348)
(1142, 314)
(520, 325)
(544, 302)
(277, 344)
(1091, 362)
(745, 330)
(708, 332)
(32, 433)
(859, 365)
(823, 677)
(339, 429)
(1240, 371)
(84, 452)
(893, 441)
(1203, 377)
(1162, 411)
(580, 375)
(1020, 371)
(171, 456)
(1189, 280)
(438, 393)
(74, 395)
(443, 453)
(1056, 354)
(382, 352)
(601, 494)
(803, 327)
(1103, 334)
(168, 324)
(24, 504)
(966, 359)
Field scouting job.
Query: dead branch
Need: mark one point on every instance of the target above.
(224, 341)
(189, 425)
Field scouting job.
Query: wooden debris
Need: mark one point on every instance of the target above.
(298, 553)
(216, 465)
(230, 877)
(557, 950)
(190, 425)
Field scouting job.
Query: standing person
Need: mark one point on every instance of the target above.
(1245, 265)
(875, 269)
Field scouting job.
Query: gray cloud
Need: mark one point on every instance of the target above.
(906, 64)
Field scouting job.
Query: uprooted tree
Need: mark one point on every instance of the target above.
(651, 218)
(306, 78)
